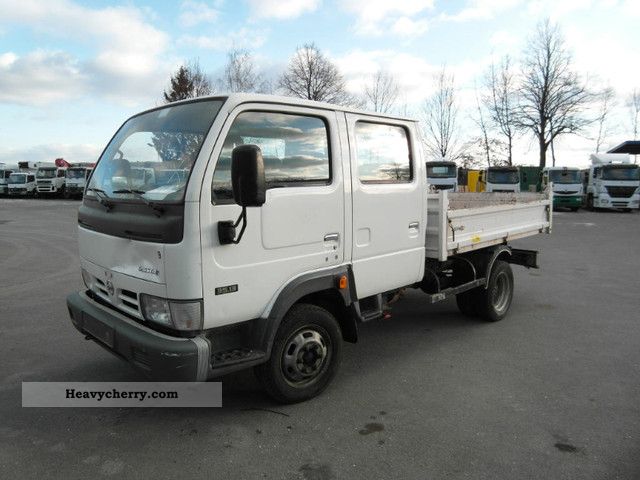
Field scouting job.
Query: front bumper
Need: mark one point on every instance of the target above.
(18, 191)
(158, 356)
(570, 201)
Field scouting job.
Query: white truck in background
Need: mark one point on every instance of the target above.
(293, 222)
(5, 171)
(567, 186)
(76, 180)
(51, 179)
(613, 182)
(22, 184)
(500, 180)
(442, 175)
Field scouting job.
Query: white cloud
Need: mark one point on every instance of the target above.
(375, 17)
(406, 27)
(243, 38)
(193, 13)
(282, 9)
(39, 78)
(482, 10)
(128, 48)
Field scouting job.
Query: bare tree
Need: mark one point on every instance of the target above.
(188, 82)
(484, 130)
(440, 113)
(552, 95)
(501, 101)
(382, 92)
(633, 104)
(313, 76)
(241, 75)
(606, 102)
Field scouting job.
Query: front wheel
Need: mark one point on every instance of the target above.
(590, 203)
(495, 300)
(305, 355)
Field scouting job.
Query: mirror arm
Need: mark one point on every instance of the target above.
(227, 229)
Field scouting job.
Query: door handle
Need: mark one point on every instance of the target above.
(414, 225)
(332, 237)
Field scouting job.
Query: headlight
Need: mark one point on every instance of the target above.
(181, 315)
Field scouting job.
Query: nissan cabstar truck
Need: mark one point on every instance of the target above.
(280, 226)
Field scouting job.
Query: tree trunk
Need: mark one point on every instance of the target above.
(543, 151)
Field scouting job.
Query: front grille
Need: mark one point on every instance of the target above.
(124, 300)
(442, 187)
(618, 191)
(567, 192)
(44, 182)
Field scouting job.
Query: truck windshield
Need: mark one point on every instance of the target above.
(441, 171)
(17, 178)
(76, 173)
(621, 172)
(46, 173)
(503, 176)
(149, 150)
(565, 176)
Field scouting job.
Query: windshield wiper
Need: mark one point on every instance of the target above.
(102, 197)
(138, 193)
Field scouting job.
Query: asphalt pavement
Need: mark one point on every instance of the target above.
(551, 392)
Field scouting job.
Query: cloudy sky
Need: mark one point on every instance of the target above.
(71, 72)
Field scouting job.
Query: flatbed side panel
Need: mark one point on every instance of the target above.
(496, 220)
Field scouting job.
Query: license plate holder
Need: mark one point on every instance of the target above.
(98, 330)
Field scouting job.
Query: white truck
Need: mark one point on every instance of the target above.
(499, 179)
(297, 221)
(22, 184)
(51, 179)
(442, 175)
(5, 171)
(76, 179)
(567, 186)
(613, 182)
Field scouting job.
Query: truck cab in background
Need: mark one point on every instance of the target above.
(5, 172)
(613, 182)
(567, 186)
(76, 180)
(499, 179)
(442, 175)
(51, 179)
(22, 184)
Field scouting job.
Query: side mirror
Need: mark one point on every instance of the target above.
(248, 184)
(247, 176)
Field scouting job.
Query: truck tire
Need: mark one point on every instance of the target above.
(574, 209)
(468, 302)
(590, 203)
(495, 300)
(305, 355)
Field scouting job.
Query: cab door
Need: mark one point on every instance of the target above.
(388, 195)
(299, 229)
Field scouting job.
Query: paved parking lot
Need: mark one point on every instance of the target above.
(551, 392)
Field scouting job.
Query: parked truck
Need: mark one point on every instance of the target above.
(499, 179)
(613, 182)
(567, 186)
(297, 221)
(76, 180)
(22, 184)
(5, 171)
(51, 179)
(442, 175)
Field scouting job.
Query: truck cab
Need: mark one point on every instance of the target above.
(442, 175)
(76, 180)
(51, 179)
(613, 182)
(5, 173)
(567, 186)
(22, 184)
(499, 179)
(270, 228)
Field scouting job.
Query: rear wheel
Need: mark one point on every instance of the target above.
(305, 355)
(495, 300)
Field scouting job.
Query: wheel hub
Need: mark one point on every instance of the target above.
(304, 355)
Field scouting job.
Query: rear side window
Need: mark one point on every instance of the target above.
(295, 149)
(383, 154)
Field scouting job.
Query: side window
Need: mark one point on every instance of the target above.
(382, 153)
(295, 149)
(31, 178)
(61, 173)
